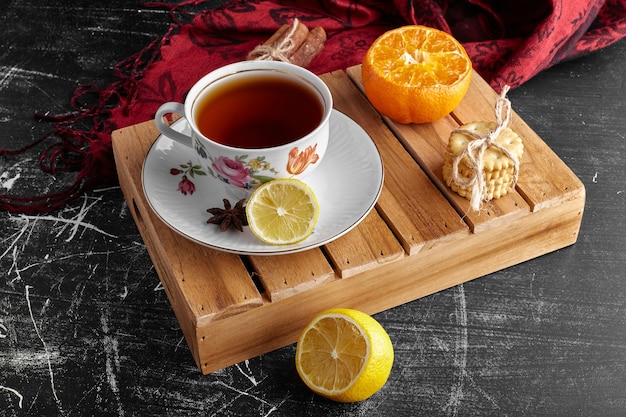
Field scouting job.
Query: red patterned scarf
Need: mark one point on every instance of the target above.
(509, 42)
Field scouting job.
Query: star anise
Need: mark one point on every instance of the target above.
(229, 216)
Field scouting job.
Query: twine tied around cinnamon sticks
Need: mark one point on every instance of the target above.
(291, 43)
(476, 148)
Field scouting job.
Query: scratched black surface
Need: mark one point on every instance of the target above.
(86, 329)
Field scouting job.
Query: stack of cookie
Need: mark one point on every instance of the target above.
(498, 168)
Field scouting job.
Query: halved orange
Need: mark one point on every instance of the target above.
(416, 74)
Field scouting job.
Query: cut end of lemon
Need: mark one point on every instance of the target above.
(283, 211)
(344, 355)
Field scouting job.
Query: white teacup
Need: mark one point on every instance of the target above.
(254, 121)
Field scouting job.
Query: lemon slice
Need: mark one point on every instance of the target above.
(282, 212)
(344, 355)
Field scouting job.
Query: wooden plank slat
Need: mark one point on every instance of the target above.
(410, 203)
(368, 246)
(546, 181)
(286, 275)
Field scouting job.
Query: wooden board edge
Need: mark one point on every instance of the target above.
(411, 278)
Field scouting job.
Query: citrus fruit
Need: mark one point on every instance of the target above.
(344, 355)
(283, 211)
(416, 74)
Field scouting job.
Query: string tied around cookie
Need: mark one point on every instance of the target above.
(475, 151)
(277, 52)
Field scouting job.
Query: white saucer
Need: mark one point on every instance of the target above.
(347, 184)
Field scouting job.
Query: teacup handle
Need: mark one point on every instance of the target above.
(164, 128)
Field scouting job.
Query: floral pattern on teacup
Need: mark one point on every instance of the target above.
(241, 172)
(238, 171)
(185, 185)
(299, 161)
(232, 171)
(250, 173)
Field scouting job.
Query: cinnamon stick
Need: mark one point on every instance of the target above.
(310, 48)
(282, 44)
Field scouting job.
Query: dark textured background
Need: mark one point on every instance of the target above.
(547, 337)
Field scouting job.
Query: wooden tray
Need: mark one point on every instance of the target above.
(422, 238)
